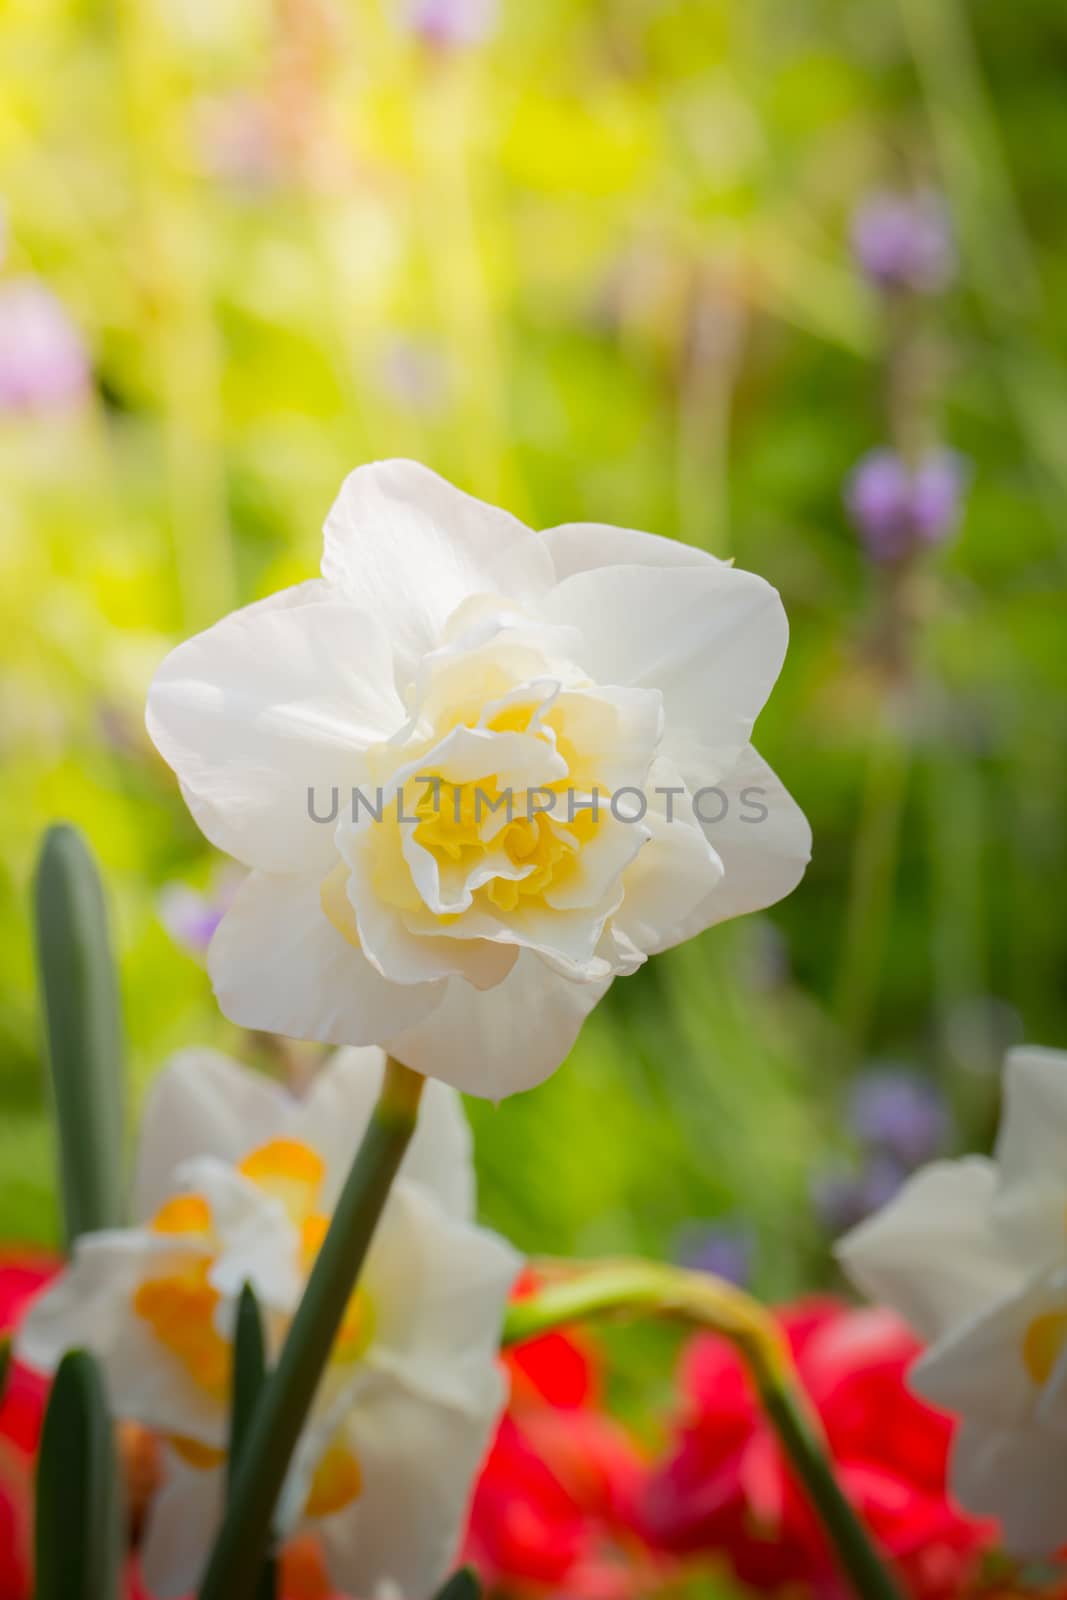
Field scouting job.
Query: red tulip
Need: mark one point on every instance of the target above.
(554, 1508)
(21, 1415)
(726, 1489)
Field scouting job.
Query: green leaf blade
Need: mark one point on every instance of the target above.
(78, 1526)
(83, 1029)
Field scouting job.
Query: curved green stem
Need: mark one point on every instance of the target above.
(627, 1286)
(276, 1424)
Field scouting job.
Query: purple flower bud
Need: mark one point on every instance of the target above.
(191, 917)
(414, 374)
(936, 491)
(905, 242)
(449, 24)
(896, 510)
(720, 1248)
(43, 360)
(842, 1198)
(899, 1113)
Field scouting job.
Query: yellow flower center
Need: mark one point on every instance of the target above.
(1043, 1342)
(181, 1306)
(533, 837)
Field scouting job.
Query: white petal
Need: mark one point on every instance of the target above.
(279, 964)
(762, 839)
(439, 1288)
(1031, 1152)
(88, 1300)
(414, 955)
(257, 1241)
(181, 1525)
(611, 735)
(267, 704)
(505, 1039)
(1017, 1475)
(931, 1253)
(335, 1114)
(604, 861)
(419, 1460)
(90, 1306)
(711, 639)
(408, 547)
(977, 1369)
(202, 1104)
(676, 872)
(581, 546)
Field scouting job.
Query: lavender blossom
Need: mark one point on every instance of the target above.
(897, 509)
(722, 1248)
(900, 1114)
(843, 1198)
(905, 242)
(43, 361)
(191, 917)
(414, 374)
(450, 24)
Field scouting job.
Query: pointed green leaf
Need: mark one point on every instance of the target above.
(249, 1371)
(249, 1376)
(463, 1585)
(78, 1529)
(79, 995)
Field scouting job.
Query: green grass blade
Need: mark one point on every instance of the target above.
(83, 1029)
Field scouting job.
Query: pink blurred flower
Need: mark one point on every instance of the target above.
(451, 23)
(44, 365)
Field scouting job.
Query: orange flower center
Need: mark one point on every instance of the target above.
(181, 1305)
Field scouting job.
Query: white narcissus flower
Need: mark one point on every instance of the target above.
(235, 1181)
(449, 664)
(974, 1254)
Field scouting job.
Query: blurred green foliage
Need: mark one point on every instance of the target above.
(594, 268)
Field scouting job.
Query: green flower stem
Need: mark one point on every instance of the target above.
(627, 1286)
(244, 1539)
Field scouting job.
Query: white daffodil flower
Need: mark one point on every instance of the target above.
(974, 1254)
(477, 772)
(235, 1183)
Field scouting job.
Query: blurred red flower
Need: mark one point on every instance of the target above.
(725, 1488)
(21, 1414)
(555, 1508)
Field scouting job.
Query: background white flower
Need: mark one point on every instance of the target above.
(235, 1180)
(447, 641)
(974, 1254)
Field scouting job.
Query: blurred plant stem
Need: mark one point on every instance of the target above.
(711, 339)
(574, 1292)
(275, 1427)
(460, 266)
(999, 257)
(177, 318)
(870, 897)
